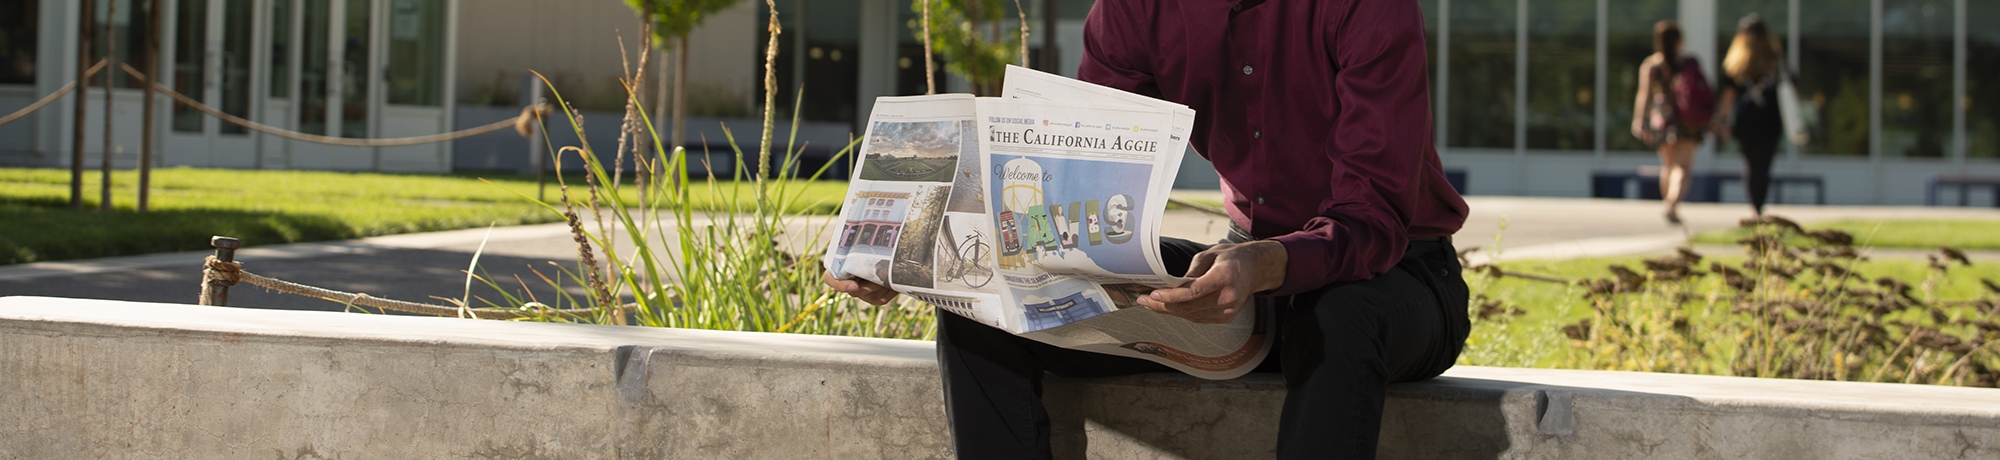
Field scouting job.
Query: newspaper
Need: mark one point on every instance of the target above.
(1037, 213)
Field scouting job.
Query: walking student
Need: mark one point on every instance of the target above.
(1750, 103)
(1316, 114)
(1672, 112)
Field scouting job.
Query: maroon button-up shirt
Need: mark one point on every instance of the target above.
(1315, 112)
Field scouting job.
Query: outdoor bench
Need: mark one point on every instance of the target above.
(1705, 186)
(1964, 183)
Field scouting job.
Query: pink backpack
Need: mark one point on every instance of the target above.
(1694, 102)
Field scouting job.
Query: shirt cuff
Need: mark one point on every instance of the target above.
(1305, 263)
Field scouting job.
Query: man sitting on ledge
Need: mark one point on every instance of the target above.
(1316, 114)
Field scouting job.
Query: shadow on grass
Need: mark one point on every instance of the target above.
(40, 230)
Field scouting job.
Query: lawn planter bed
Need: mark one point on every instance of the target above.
(91, 378)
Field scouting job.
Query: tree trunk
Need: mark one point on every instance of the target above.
(680, 95)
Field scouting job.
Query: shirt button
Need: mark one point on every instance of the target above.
(1236, 8)
(1260, 200)
(1256, 134)
(1246, 70)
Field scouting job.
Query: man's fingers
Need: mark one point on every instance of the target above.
(860, 289)
(1201, 264)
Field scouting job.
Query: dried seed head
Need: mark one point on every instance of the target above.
(1955, 255)
(1579, 331)
(1688, 255)
(1934, 340)
(1761, 244)
(1832, 237)
(1628, 279)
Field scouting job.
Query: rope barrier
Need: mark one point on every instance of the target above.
(230, 273)
(51, 98)
(526, 112)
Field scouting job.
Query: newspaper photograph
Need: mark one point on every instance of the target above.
(1037, 213)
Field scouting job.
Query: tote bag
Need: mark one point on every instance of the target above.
(1788, 109)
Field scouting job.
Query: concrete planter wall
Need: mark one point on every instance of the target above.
(101, 379)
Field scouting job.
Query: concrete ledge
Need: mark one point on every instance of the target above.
(95, 379)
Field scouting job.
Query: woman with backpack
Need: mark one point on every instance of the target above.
(1750, 103)
(1672, 111)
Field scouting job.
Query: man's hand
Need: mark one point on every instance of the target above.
(862, 289)
(1226, 277)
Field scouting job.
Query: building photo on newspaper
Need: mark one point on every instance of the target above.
(1038, 213)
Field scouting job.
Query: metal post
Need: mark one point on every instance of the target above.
(110, 70)
(146, 131)
(215, 292)
(83, 22)
(538, 157)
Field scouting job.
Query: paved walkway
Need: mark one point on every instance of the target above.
(419, 267)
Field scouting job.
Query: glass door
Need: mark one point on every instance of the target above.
(212, 44)
(412, 80)
(336, 43)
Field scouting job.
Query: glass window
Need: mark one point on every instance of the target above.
(1777, 19)
(1833, 75)
(281, 48)
(312, 67)
(416, 52)
(355, 77)
(18, 38)
(190, 72)
(1982, 92)
(1482, 73)
(1628, 42)
(238, 18)
(910, 48)
(129, 30)
(827, 43)
(1916, 77)
(1562, 75)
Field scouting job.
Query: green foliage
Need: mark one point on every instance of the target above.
(1793, 308)
(673, 19)
(726, 269)
(968, 38)
(276, 207)
(259, 207)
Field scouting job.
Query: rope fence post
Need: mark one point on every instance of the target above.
(84, 13)
(215, 290)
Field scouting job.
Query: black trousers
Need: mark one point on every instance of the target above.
(1339, 348)
(1758, 151)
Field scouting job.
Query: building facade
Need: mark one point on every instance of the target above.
(340, 68)
(1531, 96)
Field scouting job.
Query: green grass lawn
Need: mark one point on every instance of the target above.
(1535, 338)
(1925, 234)
(275, 207)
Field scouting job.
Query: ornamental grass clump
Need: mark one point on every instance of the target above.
(1794, 307)
(664, 264)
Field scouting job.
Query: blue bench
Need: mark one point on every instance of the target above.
(1456, 177)
(1965, 183)
(1705, 188)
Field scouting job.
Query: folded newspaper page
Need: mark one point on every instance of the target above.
(1037, 213)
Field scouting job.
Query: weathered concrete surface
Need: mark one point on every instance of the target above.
(103, 379)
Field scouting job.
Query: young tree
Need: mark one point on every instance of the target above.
(967, 35)
(672, 21)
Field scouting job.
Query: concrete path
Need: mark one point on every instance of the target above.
(418, 267)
